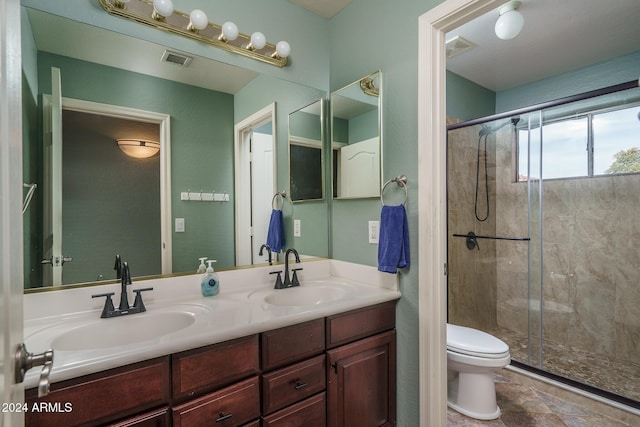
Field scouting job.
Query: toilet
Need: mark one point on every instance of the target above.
(472, 358)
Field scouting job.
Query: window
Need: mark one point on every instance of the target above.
(590, 144)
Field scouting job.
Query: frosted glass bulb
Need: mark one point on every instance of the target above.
(163, 7)
(283, 49)
(509, 25)
(199, 19)
(258, 40)
(230, 31)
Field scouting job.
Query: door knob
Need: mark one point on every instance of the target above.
(26, 361)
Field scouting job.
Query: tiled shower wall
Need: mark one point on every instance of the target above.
(590, 256)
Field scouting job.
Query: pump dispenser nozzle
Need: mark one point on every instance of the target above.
(201, 267)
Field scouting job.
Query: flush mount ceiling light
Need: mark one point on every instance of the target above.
(510, 22)
(160, 14)
(138, 148)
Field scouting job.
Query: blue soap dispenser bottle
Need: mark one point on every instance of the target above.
(210, 284)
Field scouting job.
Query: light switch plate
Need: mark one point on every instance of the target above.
(296, 228)
(179, 225)
(374, 231)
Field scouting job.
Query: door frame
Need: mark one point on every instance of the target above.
(164, 122)
(242, 158)
(11, 245)
(432, 218)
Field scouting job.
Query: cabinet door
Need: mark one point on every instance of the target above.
(159, 418)
(362, 382)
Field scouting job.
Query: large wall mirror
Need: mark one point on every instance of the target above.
(356, 138)
(105, 191)
(306, 155)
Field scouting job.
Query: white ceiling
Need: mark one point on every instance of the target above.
(558, 36)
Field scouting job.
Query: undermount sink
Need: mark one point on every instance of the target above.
(305, 295)
(122, 330)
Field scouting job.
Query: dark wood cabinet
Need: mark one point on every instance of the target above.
(335, 371)
(361, 382)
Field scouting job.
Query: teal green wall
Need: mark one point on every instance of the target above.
(387, 40)
(201, 147)
(467, 100)
(608, 73)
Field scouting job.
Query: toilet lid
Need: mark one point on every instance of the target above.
(474, 342)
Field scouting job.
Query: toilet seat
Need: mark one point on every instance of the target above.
(472, 342)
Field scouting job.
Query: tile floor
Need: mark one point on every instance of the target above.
(525, 405)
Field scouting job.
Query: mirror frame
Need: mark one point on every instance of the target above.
(309, 143)
(367, 86)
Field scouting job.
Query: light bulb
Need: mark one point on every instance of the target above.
(163, 8)
(258, 40)
(229, 31)
(283, 49)
(510, 22)
(198, 20)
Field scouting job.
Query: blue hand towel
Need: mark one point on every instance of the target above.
(275, 235)
(393, 240)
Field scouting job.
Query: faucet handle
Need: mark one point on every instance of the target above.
(137, 303)
(279, 284)
(108, 304)
(294, 279)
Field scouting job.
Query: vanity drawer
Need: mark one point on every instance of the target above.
(287, 345)
(159, 418)
(207, 368)
(102, 397)
(293, 383)
(308, 413)
(356, 324)
(230, 406)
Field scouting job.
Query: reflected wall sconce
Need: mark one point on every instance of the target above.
(510, 22)
(138, 148)
(160, 14)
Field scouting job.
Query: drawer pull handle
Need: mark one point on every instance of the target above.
(223, 417)
(300, 385)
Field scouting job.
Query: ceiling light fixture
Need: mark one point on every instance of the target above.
(138, 148)
(160, 14)
(510, 22)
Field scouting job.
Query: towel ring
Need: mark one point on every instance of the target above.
(402, 182)
(282, 195)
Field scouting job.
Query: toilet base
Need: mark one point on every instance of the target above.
(473, 394)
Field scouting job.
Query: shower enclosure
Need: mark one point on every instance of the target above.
(544, 236)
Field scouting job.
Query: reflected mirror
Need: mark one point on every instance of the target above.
(306, 153)
(356, 138)
(98, 66)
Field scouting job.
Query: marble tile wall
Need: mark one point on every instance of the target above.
(589, 263)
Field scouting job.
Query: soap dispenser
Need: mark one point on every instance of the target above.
(210, 284)
(202, 268)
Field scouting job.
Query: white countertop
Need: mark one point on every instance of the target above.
(238, 310)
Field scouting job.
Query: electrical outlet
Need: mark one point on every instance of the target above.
(296, 228)
(374, 230)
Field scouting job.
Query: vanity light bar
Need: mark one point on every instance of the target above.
(142, 11)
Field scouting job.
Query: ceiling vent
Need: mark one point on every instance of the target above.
(176, 58)
(458, 45)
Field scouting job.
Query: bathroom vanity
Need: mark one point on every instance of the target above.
(332, 364)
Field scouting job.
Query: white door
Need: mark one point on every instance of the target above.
(261, 191)
(360, 169)
(11, 273)
(52, 188)
(246, 206)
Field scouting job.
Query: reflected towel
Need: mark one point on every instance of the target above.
(275, 235)
(393, 241)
